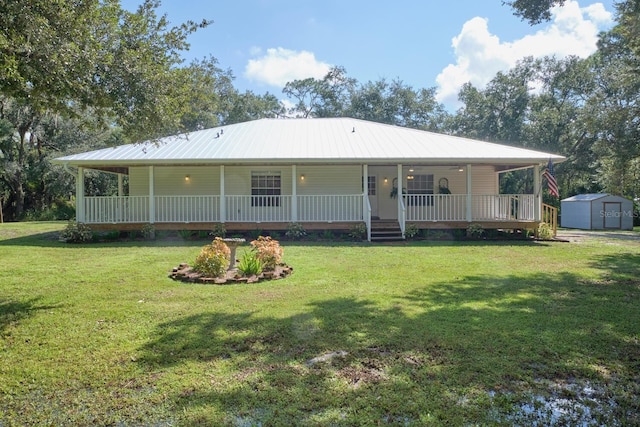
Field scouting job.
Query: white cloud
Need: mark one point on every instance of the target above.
(279, 66)
(480, 54)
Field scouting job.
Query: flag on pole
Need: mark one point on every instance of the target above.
(552, 184)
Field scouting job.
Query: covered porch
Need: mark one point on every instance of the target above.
(366, 196)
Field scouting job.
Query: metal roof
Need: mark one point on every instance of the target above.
(329, 140)
(593, 196)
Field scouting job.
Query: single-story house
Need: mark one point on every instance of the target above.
(597, 211)
(324, 173)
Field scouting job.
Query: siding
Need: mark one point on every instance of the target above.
(170, 181)
(330, 180)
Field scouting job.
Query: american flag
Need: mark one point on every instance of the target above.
(552, 184)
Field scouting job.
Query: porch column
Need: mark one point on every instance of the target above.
(537, 194)
(294, 193)
(401, 212)
(469, 197)
(152, 201)
(366, 211)
(120, 185)
(80, 214)
(223, 202)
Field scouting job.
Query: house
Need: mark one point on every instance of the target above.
(597, 212)
(324, 173)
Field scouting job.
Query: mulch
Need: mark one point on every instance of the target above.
(185, 273)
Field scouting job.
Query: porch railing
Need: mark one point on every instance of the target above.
(318, 208)
(453, 207)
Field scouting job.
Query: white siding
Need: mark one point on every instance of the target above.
(237, 179)
(483, 180)
(139, 181)
(330, 180)
(203, 181)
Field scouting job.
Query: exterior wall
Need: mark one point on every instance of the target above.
(237, 179)
(590, 214)
(575, 215)
(623, 218)
(139, 181)
(318, 180)
(170, 181)
(483, 180)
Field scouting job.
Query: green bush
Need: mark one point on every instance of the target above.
(148, 232)
(411, 231)
(268, 251)
(76, 232)
(213, 259)
(249, 264)
(358, 231)
(295, 231)
(475, 231)
(185, 234)
(219, 231)
(544, 231)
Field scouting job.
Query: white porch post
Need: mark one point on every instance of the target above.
(401, 214)
(469, 197)
(120, 185)
(294, 193)
(152, 201)
(537, 194)
(223, 202)
(80, 196)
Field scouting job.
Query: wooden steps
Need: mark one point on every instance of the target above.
(385, 231)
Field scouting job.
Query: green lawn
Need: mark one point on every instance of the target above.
(457, 333)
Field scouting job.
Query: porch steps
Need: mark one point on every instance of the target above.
(385, 231)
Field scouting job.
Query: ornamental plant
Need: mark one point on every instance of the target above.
(213, 259)
(249, 264)
(268, 251)
(76, 232)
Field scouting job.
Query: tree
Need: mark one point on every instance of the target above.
(533, 11)
(249, 106)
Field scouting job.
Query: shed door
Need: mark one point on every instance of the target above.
(612, 215)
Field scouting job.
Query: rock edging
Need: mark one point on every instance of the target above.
(185, 273)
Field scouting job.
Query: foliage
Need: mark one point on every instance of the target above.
(475, 231)
(327, 235)
(250, 264)
(295, 231)
(533, 11)
(358, 232)
(213, 259)
(219, 230)
(411, 230)
(148, 232)
(268, 251)
(76, 232)
(545, 232)
(185, 234)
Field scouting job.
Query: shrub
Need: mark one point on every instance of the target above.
(358, 231)
(76, 232)
(544, 231)
(268, 251)
(411, 231)
(213, 259)
(475, 231)
(186, 234)
(219, 231)
(148, 232)
(295, 231)
(328, 235)
(249, 264)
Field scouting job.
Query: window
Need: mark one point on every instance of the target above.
(266, 188)
(371, 185)
(421, 186)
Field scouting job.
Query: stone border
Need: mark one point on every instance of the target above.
(185, 273)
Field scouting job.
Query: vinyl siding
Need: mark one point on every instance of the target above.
(330, 180)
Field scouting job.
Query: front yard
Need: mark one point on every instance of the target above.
(360, 334)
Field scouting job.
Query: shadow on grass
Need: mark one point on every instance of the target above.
(433, 355)
(14, 311)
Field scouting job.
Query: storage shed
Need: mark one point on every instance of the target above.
(597, 212)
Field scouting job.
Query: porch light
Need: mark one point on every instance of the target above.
(409, 176)
(187, 178)
(460, 169)
(411, 169)
(385, 180)
(301, 177)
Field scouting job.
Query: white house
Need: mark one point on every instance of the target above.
(597, 211)
(323, 173)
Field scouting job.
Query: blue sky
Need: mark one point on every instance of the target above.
(425, 44)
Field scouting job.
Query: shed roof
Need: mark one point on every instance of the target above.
(334, 140)
(592, 197)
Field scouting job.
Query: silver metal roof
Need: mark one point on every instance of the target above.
(330, 140)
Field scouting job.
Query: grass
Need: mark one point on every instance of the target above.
(457, 333)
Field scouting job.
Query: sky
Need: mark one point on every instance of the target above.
(436, 43)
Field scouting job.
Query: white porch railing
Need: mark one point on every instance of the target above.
(319, 208)
(187, 208)
(453, 207)
(117, 209)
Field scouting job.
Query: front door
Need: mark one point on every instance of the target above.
(383, 205)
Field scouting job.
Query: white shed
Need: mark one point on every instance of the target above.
(597, 212)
